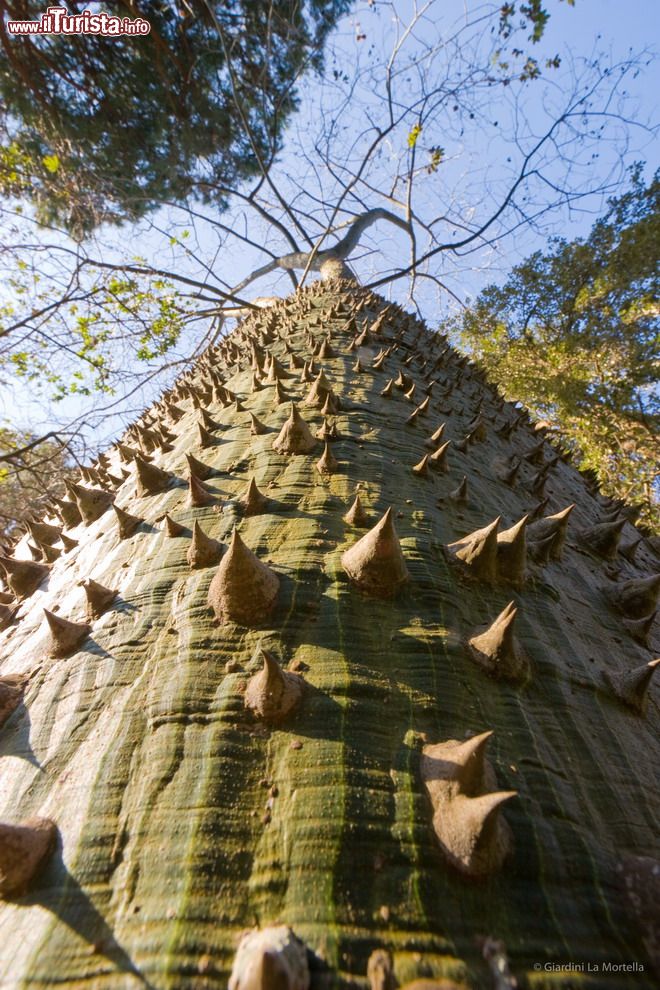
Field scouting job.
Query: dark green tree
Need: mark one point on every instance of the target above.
(573, 334)
(101, 129)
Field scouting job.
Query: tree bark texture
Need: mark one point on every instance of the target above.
(185, 816)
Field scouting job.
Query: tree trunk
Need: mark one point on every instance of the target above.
(195, 797)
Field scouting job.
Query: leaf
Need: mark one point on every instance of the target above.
(437, 156)
(51, 162)
(414, 134)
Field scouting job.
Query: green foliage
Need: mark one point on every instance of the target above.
(413, 135)
(573, 334)
(16, 167)
(532, 15)
(105, 323)
(29, 475)
(102, 129)
(437, 156)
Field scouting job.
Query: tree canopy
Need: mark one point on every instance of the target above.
(101, 129)
(573, 334)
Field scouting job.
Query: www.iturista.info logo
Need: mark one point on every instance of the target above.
(58, 20)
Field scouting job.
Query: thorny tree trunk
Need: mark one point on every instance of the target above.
(194, 799)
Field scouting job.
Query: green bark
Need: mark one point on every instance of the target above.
(184, 820)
